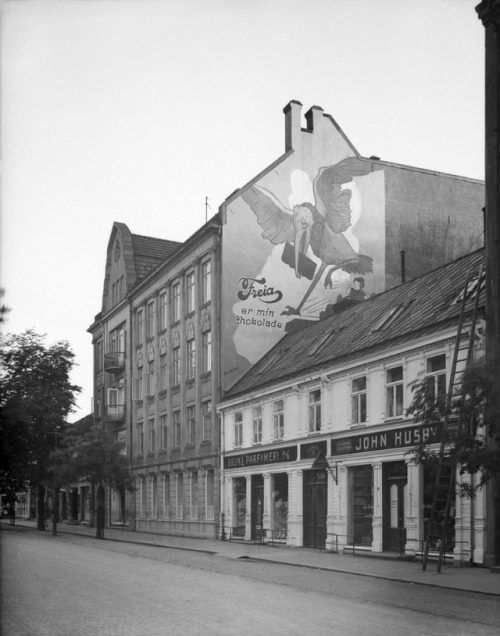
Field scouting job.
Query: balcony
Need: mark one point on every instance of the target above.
(115, 412)
(114, 362)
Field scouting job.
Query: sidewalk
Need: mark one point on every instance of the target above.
(471, 579)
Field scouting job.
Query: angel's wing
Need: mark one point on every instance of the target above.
(331, 200)
(272, 217)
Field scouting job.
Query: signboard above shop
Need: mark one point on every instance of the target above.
(383, 440)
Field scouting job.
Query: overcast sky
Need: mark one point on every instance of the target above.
(137, 110)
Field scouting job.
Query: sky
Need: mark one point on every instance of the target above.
(139, 110)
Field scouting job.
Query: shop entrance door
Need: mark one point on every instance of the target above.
(315, 491)
(257, 507)
(395, 480)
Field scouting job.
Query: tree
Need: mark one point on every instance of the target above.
(89, 453)
(36, 397)
(471, 438)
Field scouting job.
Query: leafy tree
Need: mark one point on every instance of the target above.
(471, 438)
(36, 396)
(89, 453)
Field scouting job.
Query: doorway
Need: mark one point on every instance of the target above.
(315, 493)
(395, 482)
(257, 507)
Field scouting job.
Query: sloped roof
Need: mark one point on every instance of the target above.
(149, 252)
(414, 309)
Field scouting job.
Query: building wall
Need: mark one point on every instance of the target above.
(368, 461)
(174, 426)
(376, 209)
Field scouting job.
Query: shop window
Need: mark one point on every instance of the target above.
(394, 392)
(257, 424)
(280, 506)
(166, 496)
(315, 411)
(240, 506)
(209, 495)
(238, 429)
(154, 496)
(362, 491)
(279, 419)
(179, 487)
(193, 495)
(358, 400)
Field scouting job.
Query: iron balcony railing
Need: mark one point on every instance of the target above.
(115, 412)
(114, 361)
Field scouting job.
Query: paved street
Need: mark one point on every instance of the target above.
(76, 585)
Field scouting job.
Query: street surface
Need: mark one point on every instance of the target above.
(76, 585)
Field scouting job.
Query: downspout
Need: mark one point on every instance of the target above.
(128, 345)
(220, 420)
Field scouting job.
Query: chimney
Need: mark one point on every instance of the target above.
(292, 112)
(314, 119)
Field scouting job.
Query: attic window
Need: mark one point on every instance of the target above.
(324, 340)
(390, 316)
(271, 361)
(471, 288)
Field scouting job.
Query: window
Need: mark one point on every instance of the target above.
(150, 380)
(177, 365)
(206, 275)
(139, 325)
(279, 419)
(137, 394)
(179, 512)
(207, 419)
(154, 496)
(176, 291)
(358, 400)
(238, 429)
(257, 424)
(163, 311)
(144, 496)
(191, 432)
(151, 435)
(166, 496)
(191, 353)
(314, 411)
(98, 355)
(164, 432)
(209, 494)
(177, 429)
(140, 438)
(394, 392)
(150, 319)
(193, 495)
(207, 351)
(120, 438)
(190, 289)
(163, 372)
(436, 374)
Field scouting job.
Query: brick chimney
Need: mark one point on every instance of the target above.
(314, 119)
(292, 112)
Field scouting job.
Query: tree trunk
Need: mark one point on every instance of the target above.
(100, 513)
(41, 508)
(55, 511)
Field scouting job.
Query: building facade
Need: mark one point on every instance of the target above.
(316, 437)
(321, 224)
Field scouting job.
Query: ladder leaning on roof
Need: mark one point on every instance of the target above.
(445, 479)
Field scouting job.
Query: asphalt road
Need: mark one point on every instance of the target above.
(72, 586)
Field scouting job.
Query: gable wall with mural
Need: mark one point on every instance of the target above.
(323, 224)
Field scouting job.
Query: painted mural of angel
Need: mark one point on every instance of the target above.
(319, 226)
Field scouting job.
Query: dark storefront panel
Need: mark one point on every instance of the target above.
(362, 488)
(315, 498)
